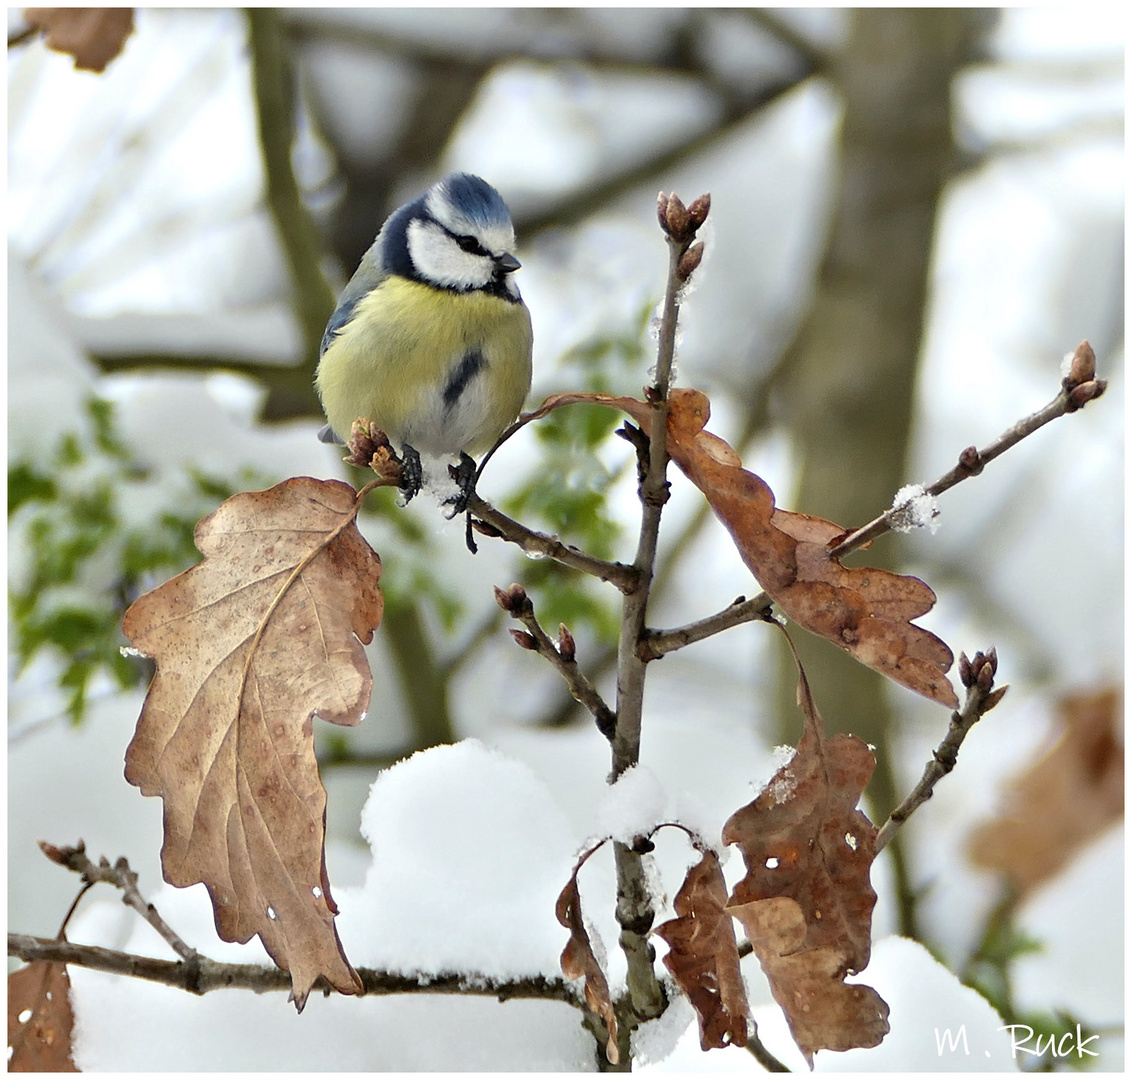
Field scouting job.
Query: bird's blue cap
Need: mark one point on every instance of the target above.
(476, 199)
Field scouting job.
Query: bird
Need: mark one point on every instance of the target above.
(431, 340)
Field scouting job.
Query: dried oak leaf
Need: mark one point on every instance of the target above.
(250, 644)
(865, 611)
(93, 36)
(806, 902)
(40, 1019)
(578, 961)
(1062, 801)
(704, 957)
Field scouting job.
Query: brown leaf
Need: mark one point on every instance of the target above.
(867, 612)
(578, 961)
(40, 1019)
(1070, 795)
(250, 645)
(93, 36)
(806, 901)
(704, 958)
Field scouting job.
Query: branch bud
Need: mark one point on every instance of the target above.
(1086, 392)
(486, 529)
(662, 210)
(966, 676)
(994, 698)
(689, 261)
(698, 211)
(676, 218)
(985, 678)
(566, 646)
(970, 461)
(524, 640)
(513, 599)
(1082, 368)
(56, 854)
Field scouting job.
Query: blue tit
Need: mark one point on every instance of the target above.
(431, 340)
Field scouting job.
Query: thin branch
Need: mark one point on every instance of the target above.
(22, 35)
(657, 643)
(536, 543)
(634, 896)
(762, 1055)
(202, 975)
(1077, 390)
(122, 877)
(561, 656)
(978, 676)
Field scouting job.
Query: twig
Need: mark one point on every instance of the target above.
(657, 643)
(561, 656)
(121, 876)
(536, 543)
(634, 897)
(1078, 388)
(978, 676)
(22, 35)
(204, 975)
(762, 1055)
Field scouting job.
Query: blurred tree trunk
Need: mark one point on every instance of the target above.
(849, 384)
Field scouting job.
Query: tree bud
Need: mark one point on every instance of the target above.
(993, 698)
(698, 211)
(676, 218)
(524, 640)
(985, 678)
(1086, 392)
(566, 646)
(966, 676)
(689, 261)
(662, 210)
(970, 461)
(1083, 367)
(513, 599)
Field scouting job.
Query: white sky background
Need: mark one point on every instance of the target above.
(135, 219)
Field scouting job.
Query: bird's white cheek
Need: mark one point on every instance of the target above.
(439, 260)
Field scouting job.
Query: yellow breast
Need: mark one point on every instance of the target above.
(441, 371)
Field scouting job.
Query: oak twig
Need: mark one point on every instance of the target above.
(658, 643)
(634, 899)
(204, 975)
(517, 604)
(1077, 389)
(498, 524)
(122, 877)
(978, 676)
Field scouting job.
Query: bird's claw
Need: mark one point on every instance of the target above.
(412, 474)
(464, 474)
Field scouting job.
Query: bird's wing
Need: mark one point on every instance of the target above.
(366, 278)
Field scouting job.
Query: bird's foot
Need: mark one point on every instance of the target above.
(464, 474)
(411, 473)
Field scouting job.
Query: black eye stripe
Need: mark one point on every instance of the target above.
(471, 245)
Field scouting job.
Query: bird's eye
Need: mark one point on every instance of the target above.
(470, 244)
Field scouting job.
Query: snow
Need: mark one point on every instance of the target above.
(913, 508)
(632, 806)
(470, 852)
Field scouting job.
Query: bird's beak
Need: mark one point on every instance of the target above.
(508, 263)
